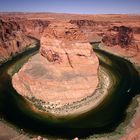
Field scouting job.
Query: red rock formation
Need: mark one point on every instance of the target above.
(16, 34)
(84, 22)
(64, 31)
(91, 28)
(33, 27)
(89, 23)
(66, 70)
(12, 40)
(121, 36)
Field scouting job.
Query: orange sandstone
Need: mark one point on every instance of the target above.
(64, 71)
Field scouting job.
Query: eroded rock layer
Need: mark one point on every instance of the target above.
(12, 39)
(64, 71)
(122, 36)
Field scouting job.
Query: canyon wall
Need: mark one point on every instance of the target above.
(17, 34)
(93, 29)
(16, 30)
(119, 35)
(33, 27)
(121, 30)
(12, 39)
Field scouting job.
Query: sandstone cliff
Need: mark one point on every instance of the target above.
(121, 36)
(12, 39)
(16, 34)
(92, 29)
(33, 27)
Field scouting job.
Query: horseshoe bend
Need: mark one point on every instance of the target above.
(64, 71)
(70, 71)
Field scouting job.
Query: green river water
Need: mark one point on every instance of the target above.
(104, 118)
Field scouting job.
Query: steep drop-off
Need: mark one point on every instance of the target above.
(17, 34)
(12, 39)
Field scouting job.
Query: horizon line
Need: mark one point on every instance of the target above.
(34, 12)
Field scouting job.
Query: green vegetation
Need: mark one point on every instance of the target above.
(38, 103)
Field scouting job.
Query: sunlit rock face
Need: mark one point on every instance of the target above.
(33, 27)
(12, 39)
(64, 31)
(92, 29)
(64, 71)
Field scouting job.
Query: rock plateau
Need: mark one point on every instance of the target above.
(65, 70)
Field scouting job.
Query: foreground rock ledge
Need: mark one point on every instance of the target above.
(64, 71)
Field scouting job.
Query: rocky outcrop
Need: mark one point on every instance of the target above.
(16, 34)
(64, 72)
(12, 39)
(33, 27)
(83, 22)
(121, 36)
(91, 28)
(64, 31)
(86, 23)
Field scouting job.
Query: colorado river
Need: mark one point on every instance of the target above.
(16, 110)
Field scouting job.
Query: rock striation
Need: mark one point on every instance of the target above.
(16, 34)
(121, 36)
(12, 39)
(65, 70)
(91, 28)
(33, 27)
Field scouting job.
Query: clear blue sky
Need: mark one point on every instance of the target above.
(72, 6)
